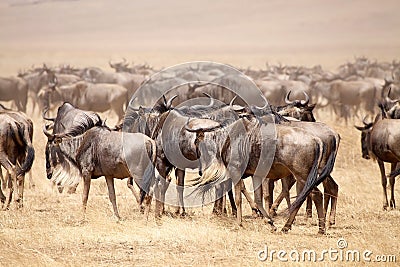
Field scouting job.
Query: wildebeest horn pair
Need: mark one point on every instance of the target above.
(302, 102)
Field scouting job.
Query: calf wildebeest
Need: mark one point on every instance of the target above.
(16, 152)
(287, 160)
(88, 96)
(14, 89)
(381, 141)
(101, 152)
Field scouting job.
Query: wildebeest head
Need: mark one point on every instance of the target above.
(298, 109)
(60, 166)
(365, 138)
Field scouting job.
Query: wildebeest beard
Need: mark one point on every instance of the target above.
(66, 171)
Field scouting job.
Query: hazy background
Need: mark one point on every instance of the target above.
(162, 33)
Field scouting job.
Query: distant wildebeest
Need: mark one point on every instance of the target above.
(128, 80)
(16, 152)
(381, 141)
(101, 152)
(87, 96)
(14, 89)
(41, 77)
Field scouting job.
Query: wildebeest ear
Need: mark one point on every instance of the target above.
(141, 111)
(311, 107)
(201, 125)
(57, 140)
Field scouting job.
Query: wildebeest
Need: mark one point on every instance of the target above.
(88, 96)
(14, 89)
(101, 152)
(68, 117)
(381, 141)
(16, 152)
(212, 140)
(302, 111)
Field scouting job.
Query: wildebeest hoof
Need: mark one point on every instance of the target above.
(321, 231)
(392, 204)
(285, 229)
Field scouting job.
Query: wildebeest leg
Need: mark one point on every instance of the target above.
(3, 179)
(232, 202)
(384, 183)
(180, 182)
(331, 192)
(238, 202)
(287, 184)
(316, 196)
(20, 186)
(85, 194)
(111, 195)
(217, 209)
(249, 199)
(2, 196)
(129, 183)
(163, 184)
(14, 180)
(31, 182)
(309, 207)
(258, 199)
(392, 180)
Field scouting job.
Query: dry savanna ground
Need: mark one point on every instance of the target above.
(49, 230)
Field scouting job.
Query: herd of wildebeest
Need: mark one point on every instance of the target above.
(224, 137)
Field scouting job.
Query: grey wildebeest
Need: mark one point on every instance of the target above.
(287, 159)
(14, 89)
(101, 152)
(16, 152)
(381, 141)
(88, 96)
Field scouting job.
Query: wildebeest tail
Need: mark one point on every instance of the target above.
(149, 173)
(29, 152)
(311, 181)
(213, 175)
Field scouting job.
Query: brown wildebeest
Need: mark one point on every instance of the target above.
(15, 89)
(88, 96)
(300, 109)
(16, 152)
(102, 152)
(290, 140)
(381, 140)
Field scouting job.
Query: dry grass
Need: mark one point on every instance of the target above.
(50, 231)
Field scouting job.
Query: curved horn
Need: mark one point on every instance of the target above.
(47, 133)
(233, 100)
(169, 103)
(306, 101)
(211, 100)
(365, 123)
(261, 108)
(165, 100)
(287, 101)
(47, 118)
(388, 94)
